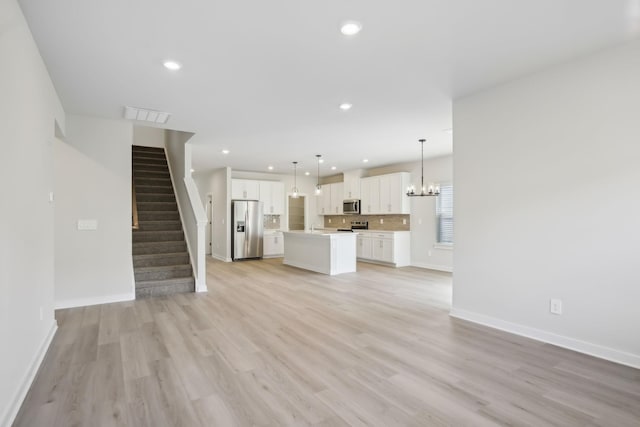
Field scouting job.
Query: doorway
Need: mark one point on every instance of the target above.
(296, 213)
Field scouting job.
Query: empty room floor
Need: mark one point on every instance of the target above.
(271, 345)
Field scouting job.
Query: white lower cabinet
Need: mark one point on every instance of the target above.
(273, 245)
(388, 247)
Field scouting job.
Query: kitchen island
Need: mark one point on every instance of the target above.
(327, 252)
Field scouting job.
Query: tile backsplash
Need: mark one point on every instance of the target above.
(271, 222)
(390, 222)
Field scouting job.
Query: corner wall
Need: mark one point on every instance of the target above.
(547, 205)
(93, 177)
(30, 111)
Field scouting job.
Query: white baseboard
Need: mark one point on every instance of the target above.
(9, 416)
(591, 349)
(445, 268)
(221, 258)
(83, 302)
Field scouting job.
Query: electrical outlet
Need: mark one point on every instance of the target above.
(419, 221)
(381, 220)
(404, 221)
(329, 220)
(555, 306)
(429, 253)
(343, 220)
(51, 198)
(274, 220)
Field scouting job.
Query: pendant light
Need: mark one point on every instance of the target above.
(294, 190)
(318, 186)
(431, 191)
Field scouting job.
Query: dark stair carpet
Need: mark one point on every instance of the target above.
(161, 262)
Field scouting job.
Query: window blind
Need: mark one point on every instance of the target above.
(444, 213)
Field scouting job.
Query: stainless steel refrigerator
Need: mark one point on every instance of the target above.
(246, 229)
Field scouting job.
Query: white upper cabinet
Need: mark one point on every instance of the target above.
(370, 195)
(272, 197)
(245, 189)
(385, 194)
(393, 198)
(337, 193)
(351, 188)
(323, 200)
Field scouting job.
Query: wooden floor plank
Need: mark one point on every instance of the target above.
(272, 345)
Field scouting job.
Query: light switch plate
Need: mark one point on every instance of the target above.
(87, 224)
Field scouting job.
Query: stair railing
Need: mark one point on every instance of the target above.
(134, 206)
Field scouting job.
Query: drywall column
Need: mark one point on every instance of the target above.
(547, 205)
(93, 176)
(192, 213)
(31, 112)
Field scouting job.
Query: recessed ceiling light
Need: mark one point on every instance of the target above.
(321, 160)
(307, 173)
(270, 167)
(192, 170)
(225, 151)
(333, 168)
(345, 106)
(350, 28)
(365, 160)
(172, 65)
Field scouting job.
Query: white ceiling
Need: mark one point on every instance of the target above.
(264, 78)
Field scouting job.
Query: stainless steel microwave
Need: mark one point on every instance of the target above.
(351, 206)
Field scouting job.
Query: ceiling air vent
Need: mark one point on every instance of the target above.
(144, 115)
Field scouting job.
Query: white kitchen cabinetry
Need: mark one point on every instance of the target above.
(351, 188)
(386, 247)
(363, 249)
(272, 197)
(245, 189)
(393, 197)
(370, 195)
(337, 193)
(385, 194)
(273, 244)
(329, 202)
(323, 200)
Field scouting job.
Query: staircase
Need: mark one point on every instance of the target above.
(160, 259)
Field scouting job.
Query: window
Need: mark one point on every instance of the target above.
(444, 214)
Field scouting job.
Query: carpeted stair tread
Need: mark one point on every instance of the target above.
(157, 206)
(156, 288)
(160, 259)
(175, 225)
(157, 236)
(163, 272)
(166, 247)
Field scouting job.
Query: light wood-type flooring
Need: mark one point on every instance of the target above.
(271, 345)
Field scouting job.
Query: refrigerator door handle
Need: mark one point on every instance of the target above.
(247, 232)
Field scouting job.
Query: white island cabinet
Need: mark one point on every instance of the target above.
(323, 252)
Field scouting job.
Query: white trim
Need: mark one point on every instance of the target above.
(221, 258)
(83, 302)
(444, 246)
(446, 268)
(591, 349)
(12, 411)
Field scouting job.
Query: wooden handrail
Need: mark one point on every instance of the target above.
(134, 206)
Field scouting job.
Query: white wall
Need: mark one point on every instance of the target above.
(192, 213)
(146, 136)
(29, 108)
(547, 204)
(93, 181)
